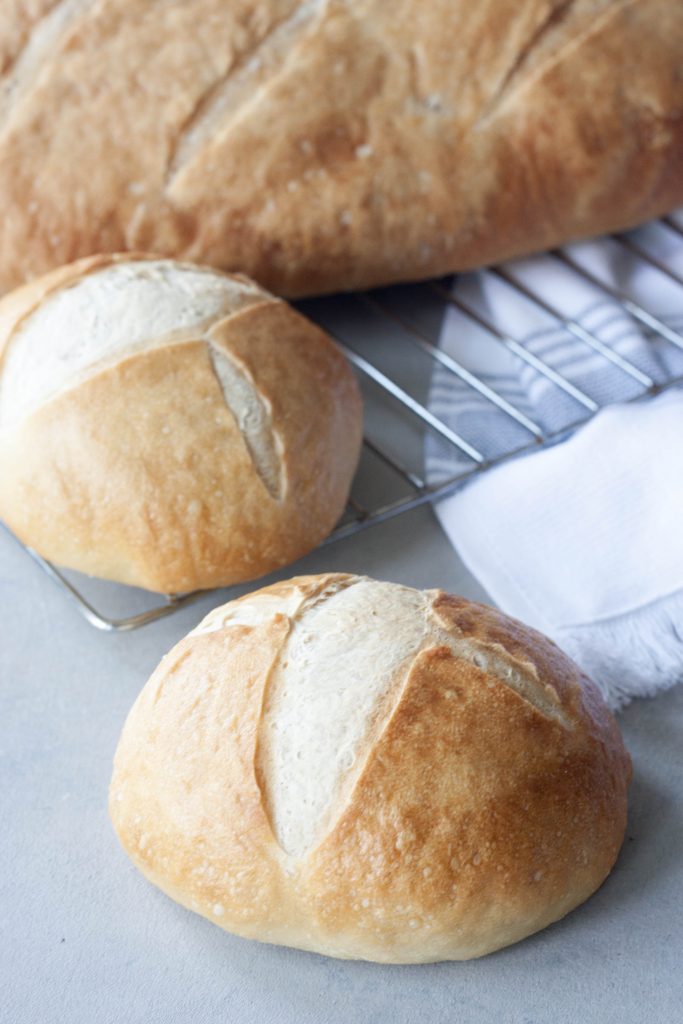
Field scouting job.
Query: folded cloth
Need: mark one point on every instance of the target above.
(582, 539)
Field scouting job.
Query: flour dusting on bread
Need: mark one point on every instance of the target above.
(322, 705)
(105, 316)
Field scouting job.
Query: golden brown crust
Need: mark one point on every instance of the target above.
(329, 144)
(513, 821)
(475, 821)
(140, 473)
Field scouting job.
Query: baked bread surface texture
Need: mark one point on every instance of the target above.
(369, 771)
(333, 144)
(169, 426)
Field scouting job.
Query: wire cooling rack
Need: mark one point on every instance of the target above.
(390, 338)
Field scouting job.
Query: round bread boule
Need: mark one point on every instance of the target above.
(370, 771)
(170, 426)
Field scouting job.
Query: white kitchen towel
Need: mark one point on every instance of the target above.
(584, 539)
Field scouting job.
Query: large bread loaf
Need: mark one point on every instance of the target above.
(332, 144)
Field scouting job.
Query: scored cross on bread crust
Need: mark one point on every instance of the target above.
(100, 312)
(324, 709)
(371, 771)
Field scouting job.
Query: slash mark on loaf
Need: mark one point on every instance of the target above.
(41, 45)
(252, 416)
(526, 68)
(240, 86)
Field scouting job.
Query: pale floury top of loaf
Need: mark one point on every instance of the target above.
(105, 315)
(110, 314)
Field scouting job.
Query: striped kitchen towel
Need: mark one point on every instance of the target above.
(583, 539)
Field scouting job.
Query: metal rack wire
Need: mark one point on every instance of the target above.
(394, 484)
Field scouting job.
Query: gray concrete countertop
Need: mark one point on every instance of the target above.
(85, 940)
